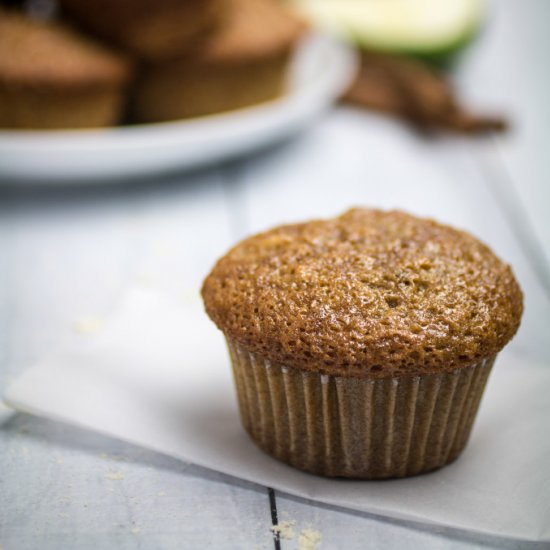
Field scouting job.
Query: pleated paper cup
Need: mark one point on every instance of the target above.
(357, 427)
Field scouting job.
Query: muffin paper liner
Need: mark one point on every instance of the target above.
(357, 427)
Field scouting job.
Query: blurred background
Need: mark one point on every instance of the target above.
(139, 140)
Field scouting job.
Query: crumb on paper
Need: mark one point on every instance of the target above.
(114, 476)
(189, 297)
(136, 530)
(118, 457)
(144, 279)
(63, 515)
(284, 529)
(309, 539)
(107, 456)
(136, 224)
(164, 250)
(88, 325)
(161, 494)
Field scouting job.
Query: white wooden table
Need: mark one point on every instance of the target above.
(66, 255)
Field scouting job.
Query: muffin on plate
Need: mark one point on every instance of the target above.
(361, 345)
(150, 30)
(243, 63)
(51, 77)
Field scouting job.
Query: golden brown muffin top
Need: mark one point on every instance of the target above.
(50, 54)
(252, 29)
(154, 30)
(368, 293)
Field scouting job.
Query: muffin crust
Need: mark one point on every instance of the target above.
(50, 54)
(243, 62)
(370, 293)
(252, 30)
(155, 31)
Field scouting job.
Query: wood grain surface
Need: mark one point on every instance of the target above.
(67, 254)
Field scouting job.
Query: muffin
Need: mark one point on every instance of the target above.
(243, 63)
(361, 345)
(151, 30)
(51, 77)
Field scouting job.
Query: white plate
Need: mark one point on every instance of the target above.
(321, 70)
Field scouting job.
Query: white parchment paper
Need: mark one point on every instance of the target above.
(158, 375)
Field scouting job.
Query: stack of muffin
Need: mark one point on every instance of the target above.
(104, 62)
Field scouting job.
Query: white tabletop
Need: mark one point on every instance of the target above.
(66, 255)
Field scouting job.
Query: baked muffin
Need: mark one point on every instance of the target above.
(361, 345)
(51, 77)
(151, 30)
(243, 63)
